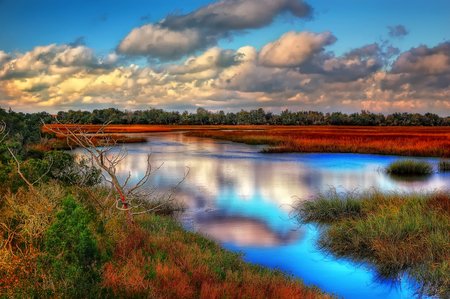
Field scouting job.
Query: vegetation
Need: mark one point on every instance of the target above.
(410, 166)
(204, 117)
(60, 238)
(444, 165)
(252, 117)
(422, 142)
(398, 234)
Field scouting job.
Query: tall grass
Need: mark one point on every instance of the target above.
(410, 166)
(422, 142)
(398, 234)
(56, 248)
(159, 259)
(444, 165)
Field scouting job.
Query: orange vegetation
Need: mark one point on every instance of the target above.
(148, 128)
(119, 133)
(405, 141)
(172, 263)
(109, 128)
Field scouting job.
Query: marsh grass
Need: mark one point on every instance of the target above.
(398, 234)
(158, 258)
(67, 247)
(404, 141)
(410, 167)
(444, 165)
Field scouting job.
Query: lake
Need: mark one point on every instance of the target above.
(243, 198)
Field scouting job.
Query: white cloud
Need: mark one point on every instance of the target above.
(292, 49)
(60, 78)
(166, 44)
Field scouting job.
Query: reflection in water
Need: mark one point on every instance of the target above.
(410, 178)
(242, 198)
(243, 232)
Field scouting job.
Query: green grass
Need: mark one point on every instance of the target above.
(410, 167)
(397, 234)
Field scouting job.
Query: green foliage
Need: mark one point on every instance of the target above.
(410, 166)
(72, 256)
(70, 172)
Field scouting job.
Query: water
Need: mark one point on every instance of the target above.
(242, 199)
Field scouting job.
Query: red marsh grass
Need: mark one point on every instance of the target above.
(159, 259)
(402, 141)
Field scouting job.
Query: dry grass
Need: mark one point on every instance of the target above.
(24, 218)
(402, 141)
(159, 259)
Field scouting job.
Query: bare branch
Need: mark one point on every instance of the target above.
(3, 131)
(45, 173)
(31, 185)
(99, 152)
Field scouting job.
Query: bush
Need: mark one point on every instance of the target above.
(72, 257)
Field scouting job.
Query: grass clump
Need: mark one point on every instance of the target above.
(398, 234)
(409, 167)
(444, 165)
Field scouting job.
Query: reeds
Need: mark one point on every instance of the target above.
(159, 259)
(404, 141)
(410, 167)
(398, 234)
(444, 165)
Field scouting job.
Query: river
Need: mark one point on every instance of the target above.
(242, 199)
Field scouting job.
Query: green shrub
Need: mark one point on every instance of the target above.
(72, 257)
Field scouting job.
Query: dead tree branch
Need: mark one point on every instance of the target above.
(3, 132)
(131, 198)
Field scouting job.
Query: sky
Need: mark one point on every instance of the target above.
(349, 55)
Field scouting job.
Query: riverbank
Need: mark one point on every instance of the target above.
(399, 235)
(62, 244)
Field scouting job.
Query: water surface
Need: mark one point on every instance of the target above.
(242, 199)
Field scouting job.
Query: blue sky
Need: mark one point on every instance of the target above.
(131, 33)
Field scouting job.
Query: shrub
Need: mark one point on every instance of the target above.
(72, 257)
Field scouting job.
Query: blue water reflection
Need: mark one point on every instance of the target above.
(242, 199)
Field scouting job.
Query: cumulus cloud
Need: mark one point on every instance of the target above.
(292, 48)
(424, 60)
(420, 69)
(205, 66)
(63, 77)
(229, 15)
(211, 59)
(163, 43)
(397, 31)
(179, 35)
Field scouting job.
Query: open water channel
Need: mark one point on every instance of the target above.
(242, 199)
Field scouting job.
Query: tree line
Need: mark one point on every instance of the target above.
(28, 125)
